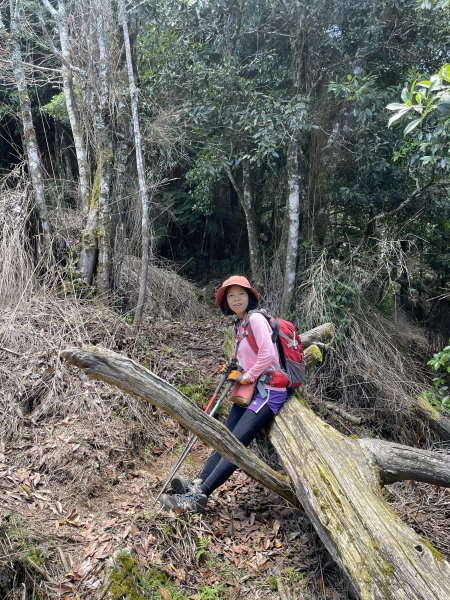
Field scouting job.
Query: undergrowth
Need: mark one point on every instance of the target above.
(375, 365)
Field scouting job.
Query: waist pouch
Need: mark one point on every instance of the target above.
(242, 395)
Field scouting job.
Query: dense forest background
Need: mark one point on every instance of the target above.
(150, 149)
(263, 145)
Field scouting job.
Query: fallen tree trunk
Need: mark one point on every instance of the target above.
(337, 480)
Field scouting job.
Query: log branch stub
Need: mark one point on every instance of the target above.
(398, 463)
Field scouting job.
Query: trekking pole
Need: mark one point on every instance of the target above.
(193, 438)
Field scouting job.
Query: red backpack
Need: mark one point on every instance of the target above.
(285, 335)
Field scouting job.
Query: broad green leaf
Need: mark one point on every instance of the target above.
(396, 106)
(444, 108)
(397, 116)
(405, 95)
(444, 73)
(425, 83)
(412, 125)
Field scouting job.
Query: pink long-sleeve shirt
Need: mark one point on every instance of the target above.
(257, 364)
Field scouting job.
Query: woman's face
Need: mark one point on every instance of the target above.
(237, 299)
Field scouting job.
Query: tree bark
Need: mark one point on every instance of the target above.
(147, 237)
(60, 16)
(337, 480)
(245, 200)
(293, 218)
(96, 243)
(105, 158)
(29, 133)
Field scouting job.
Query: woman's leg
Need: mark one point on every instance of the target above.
(245, 430)
(236, 413)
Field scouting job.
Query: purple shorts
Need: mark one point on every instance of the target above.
(275, 399)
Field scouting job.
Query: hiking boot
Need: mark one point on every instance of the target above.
(179, 485)
(189, 502)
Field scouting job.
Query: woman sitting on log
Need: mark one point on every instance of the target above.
(236, 296)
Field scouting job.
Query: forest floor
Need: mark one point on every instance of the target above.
(81, 464)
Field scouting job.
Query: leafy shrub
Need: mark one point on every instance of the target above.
(440, 363)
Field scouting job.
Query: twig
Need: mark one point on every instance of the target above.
(10, 351)
(38, 569)
(63, 559)
(340, 411)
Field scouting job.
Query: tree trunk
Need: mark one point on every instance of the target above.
(293, 218)
(29, 133)
(96, 243)
(60, 17)
(337, 480)
(147, 237)
(87, 262)
(245, 199)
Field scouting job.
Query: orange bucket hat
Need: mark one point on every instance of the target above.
(234, 280)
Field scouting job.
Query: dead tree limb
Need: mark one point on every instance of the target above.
(134, 379)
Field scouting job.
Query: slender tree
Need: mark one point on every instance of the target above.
(293, 218)
(29, 132)
(147, 236)
(73, 111)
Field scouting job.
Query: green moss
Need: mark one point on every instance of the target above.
(127, 582)
(426, 406)
(375, 545)
(437, 555)
(388, 569)
(316, 352)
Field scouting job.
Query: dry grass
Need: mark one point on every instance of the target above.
(425, 508)
(375, 367)
(16, 269)
(168, 294)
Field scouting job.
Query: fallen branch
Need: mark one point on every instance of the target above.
(134, 379)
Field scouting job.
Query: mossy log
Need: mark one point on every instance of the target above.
(337, 480)
(437, 422)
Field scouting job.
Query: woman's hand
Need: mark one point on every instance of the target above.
(239, 377)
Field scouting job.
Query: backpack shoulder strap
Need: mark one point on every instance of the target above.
(248, 332)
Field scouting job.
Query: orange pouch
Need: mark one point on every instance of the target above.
(242, 395)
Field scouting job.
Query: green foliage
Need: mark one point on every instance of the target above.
(127, 582)
(202, 548)
(198, 388)
(216, 592)
(57, 109)
(440, 363)
(425, 97)
(202, 178)
(433, 4)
